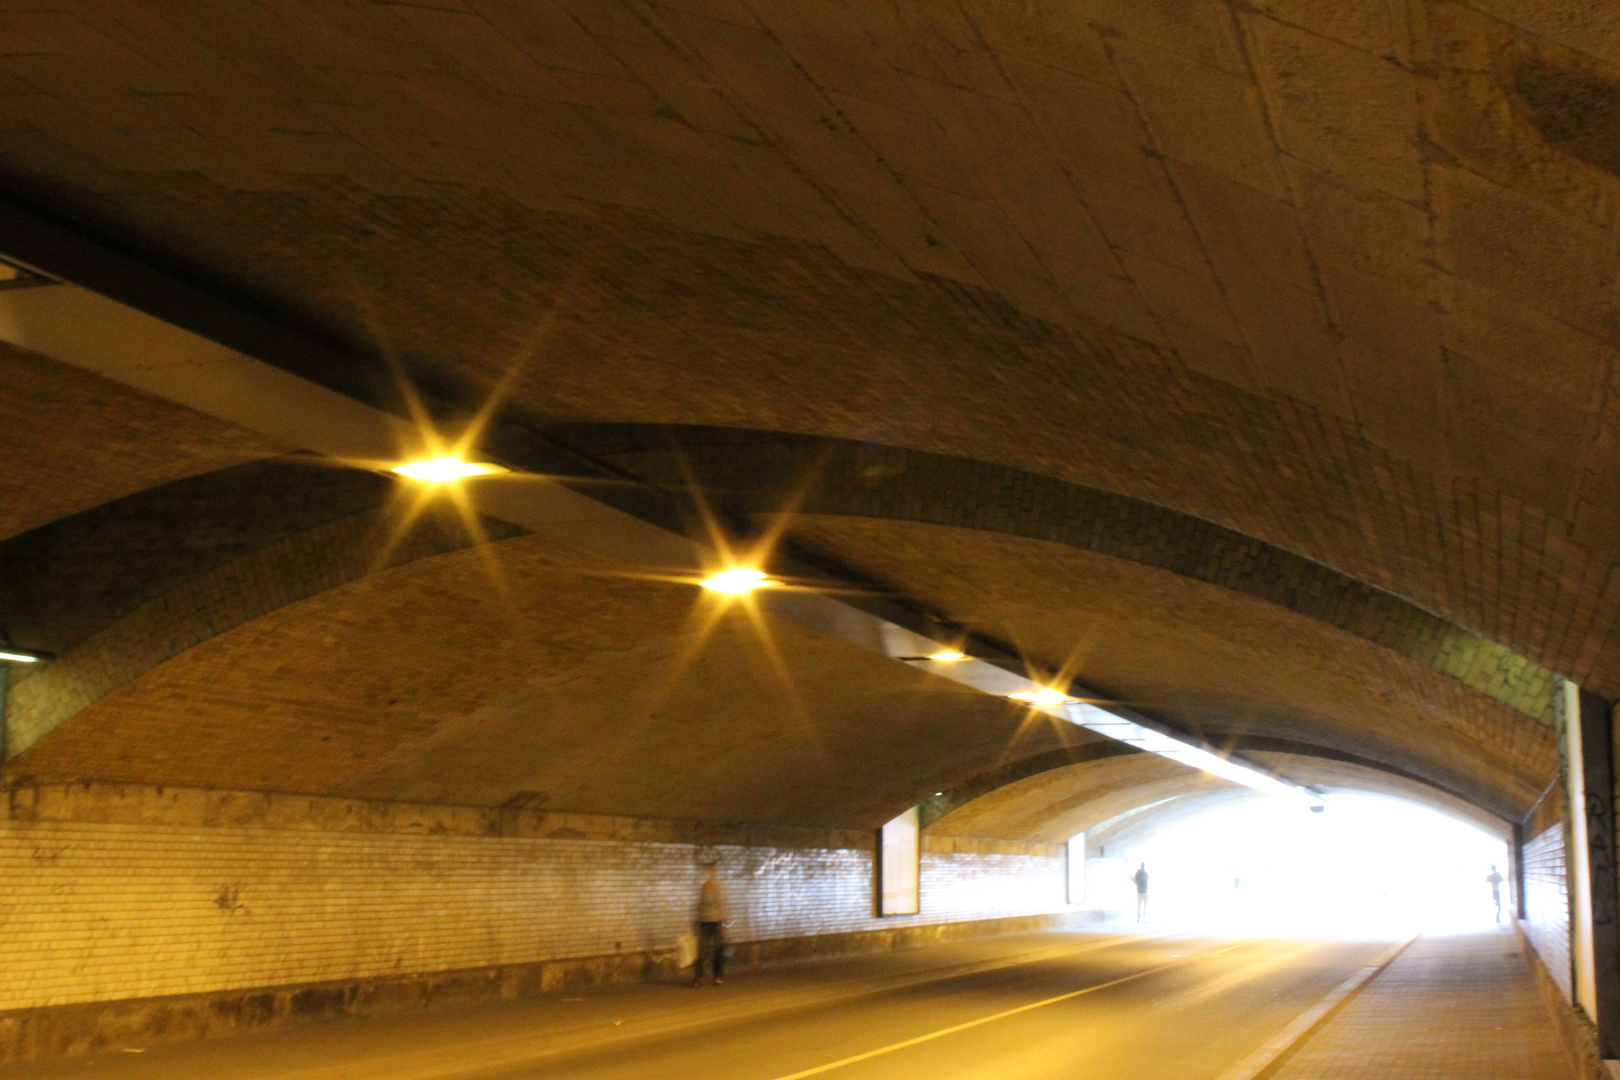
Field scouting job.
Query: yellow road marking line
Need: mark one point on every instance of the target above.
(942, 1032)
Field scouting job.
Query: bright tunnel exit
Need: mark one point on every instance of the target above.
(1368, 866)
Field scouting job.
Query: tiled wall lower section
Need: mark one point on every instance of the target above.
(98, 910)
(1546, 901)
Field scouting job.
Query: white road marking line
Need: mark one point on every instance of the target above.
(942, 1032)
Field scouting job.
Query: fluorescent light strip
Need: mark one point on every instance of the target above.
(1157, 742)
(22, 657)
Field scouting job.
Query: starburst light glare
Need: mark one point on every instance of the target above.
(737, 581)
(1044, 696)
(445, 469)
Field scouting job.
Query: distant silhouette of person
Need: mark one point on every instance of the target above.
(1494, 880)
(1141, 879)
(711, 921)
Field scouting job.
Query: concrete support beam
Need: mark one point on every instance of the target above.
(1594, 883)
(1516, 873)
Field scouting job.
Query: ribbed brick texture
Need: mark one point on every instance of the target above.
(763, 471)
(227, 595)
(1546, 901)
(99, 911)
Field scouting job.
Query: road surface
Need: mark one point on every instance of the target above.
(1031, 1007)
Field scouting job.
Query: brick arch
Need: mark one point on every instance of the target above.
(1147, 820)
(269, 571)
(122, 588)
(469, 677)
(1053, 796)
(755, 473)
(326, 556)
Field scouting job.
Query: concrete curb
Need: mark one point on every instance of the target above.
(1270, 1055)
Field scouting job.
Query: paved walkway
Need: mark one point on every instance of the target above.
(1448, 1008)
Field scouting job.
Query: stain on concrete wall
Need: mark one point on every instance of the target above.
(1575, 111)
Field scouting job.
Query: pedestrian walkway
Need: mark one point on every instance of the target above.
(1461, 1007)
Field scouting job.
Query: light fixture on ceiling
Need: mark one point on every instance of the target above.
(445, 469)
(948, 656)
(736, 581)
(10, 654)
(1125, 730)
(1043, 696)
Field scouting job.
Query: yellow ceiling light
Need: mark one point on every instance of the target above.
(1044, 696)
(741, 579)
(445, 469)
(948, 656)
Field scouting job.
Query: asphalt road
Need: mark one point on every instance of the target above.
(1033, 1007)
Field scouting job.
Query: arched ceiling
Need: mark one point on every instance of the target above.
(1114, 799)
(1319, 300)
(1056, 803)
(1214, 661)
(523, 671)
(76, 441)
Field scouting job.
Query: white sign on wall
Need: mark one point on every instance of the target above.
(1077, 868)
(900, 865)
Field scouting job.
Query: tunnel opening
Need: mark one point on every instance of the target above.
(1369, 866)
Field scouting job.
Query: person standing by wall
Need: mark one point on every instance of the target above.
(1141, 879)
(711, 920)
(1494, 880)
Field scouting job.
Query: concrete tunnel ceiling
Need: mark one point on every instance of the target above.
(1329, 285)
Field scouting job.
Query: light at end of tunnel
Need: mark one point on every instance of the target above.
(947, 656)
(1044, 696)
(737, 581)
(11, 655)
(445, 470)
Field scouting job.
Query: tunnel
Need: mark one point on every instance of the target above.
(516, 508)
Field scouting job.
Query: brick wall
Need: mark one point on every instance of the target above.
(1546, 899)
(117, 892)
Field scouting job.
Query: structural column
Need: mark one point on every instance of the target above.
(1516, 873)
(1594, 886)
